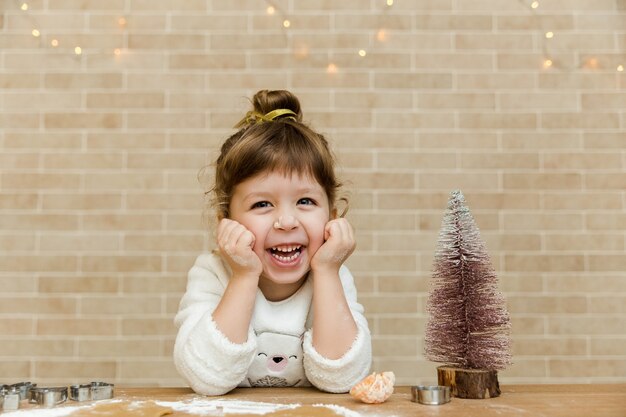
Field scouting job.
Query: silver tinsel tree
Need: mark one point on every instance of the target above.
(469, 326)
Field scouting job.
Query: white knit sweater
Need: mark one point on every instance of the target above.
(279, 350)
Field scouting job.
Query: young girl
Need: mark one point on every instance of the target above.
(274, 305)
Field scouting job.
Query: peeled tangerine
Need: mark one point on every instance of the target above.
(375, 388)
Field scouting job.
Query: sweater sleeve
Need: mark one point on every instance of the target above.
(339, 375)
(203, 355)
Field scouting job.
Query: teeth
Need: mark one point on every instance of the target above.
(286, 258)
(286, 248)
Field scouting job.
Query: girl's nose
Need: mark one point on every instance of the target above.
(287, 222)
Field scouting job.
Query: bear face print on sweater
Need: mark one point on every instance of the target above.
(278, 362)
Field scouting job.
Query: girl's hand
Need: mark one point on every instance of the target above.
(235, 244)
(338, 246)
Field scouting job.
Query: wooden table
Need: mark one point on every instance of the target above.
(516, 400)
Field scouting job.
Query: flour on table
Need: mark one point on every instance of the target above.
(209, 407)
(44, 412)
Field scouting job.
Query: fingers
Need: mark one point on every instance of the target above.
(339, 229)
(236, 243)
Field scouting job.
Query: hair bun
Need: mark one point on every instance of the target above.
(266, 101)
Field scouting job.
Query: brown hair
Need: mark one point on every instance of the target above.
(285, 144)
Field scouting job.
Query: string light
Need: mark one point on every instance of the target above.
(389, 3)
(592, 63)
(121, 21)
(362, 52)
(549, 35)
(35, 33)
(117, 51)
(286, 23)
(331, 68)
(534, 4)
(24, 6)
(620, 68)
(78, 50)
(547, 63)
(270, 10)
(54, 43)
(381, 35)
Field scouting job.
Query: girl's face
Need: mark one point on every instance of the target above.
(287, 216)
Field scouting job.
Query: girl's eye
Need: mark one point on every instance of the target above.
(306, 201)
(261, 204)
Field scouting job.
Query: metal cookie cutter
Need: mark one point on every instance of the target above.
(48, 397)
(23, 388)
(10, 399)
(430, 394)
(94, 391)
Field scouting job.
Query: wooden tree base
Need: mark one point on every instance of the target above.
(469, 383)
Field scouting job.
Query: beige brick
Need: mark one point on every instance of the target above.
(41, 101)
(21, 201)
(166, 120)
(416, 161)
(497, 120)
(148, 327)
(583, 242)
(576, 81)
(587, 368)
(42, 348)
(542, 221)
(207, 61)
(167, 41)
(586, 325)
(115, 349)
(120, 305)
(134, 22)
(607, 305)
(458, 141)
(473, 60)
(602, 140)
(39, 222)
(402, 325)
(83, 284)
(169, 284)
(426, 81)
(82, 80)
(608, 262)
(579, 201)
(19, 161)
(540, 181)
(608, 346)
(541, 263)
(17, 242)
(112, 222)
(87, 370)
(541, 141)
(167, 5)
(364, 100)
(456, 101)
(19, 120)
(82, 120)
(147, 369)
(561, 101)
(411, 200)
(40, 305)
(465, 182)
(535, 346)
(81, 201)
(413, 121)
(509, 161)
(535, 61)
(163, 242)
(351, 20)
(384, 180)
(364, 262)
(84, 161)
(82, 242)
(535, 368)
(17, 326)
(610, 181)
(599, 283)
(547, 304)
(16, 370)
(77, 327)
(491, 41)
(138, 180)
(495, 81)
(579, 120)
(121, 263)
(20, 263)
(527, 326)
(136, 100)
(395, 346)
(606, 221)
(10, 80)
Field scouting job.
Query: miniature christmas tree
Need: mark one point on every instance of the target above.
(469, 325)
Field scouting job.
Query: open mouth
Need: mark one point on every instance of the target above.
(286, 254)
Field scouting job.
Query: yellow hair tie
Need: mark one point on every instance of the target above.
(254, 117)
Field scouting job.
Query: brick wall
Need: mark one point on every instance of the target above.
(101, 210)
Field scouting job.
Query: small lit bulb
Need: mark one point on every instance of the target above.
(592, 63)
(78, 50)
(389, 3)
(286, 23)
(547, 63)
(35, 33)
(620, 68)
(270, 10)
(117, 51)
(121, 21)
(549, 35)
(362, 52)
(54, 42)
(331, 68)
(381, 35)
(534, 4)
(24, 6)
